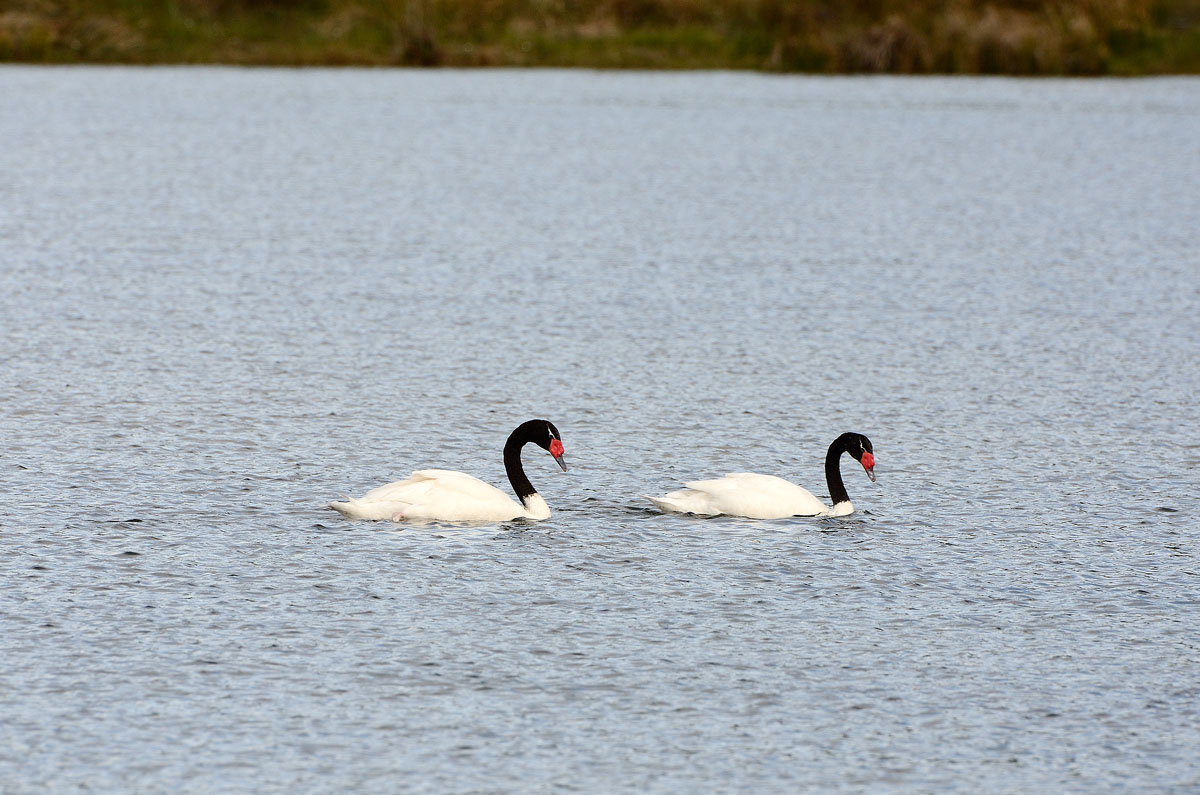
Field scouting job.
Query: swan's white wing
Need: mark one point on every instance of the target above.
(409, 488)
(743, 494)
(468, 486)
(743, 480)
(383, 502)
(439, 494)
(459, 497)
(425, 481)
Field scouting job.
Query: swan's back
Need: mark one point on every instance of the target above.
(440, 494)
(433, 481)
(743, 494)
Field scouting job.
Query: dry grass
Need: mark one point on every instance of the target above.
(1073, 37)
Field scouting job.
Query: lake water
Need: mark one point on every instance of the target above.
(228, 296)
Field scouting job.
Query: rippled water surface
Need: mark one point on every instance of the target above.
(229, 296)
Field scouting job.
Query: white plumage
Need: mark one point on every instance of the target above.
(768, 497)
(747, 494)
(447, 496)
(442, 495)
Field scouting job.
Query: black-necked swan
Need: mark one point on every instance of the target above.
(768, 497)
(443, 495)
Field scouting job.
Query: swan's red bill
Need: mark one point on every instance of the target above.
(868, 464)
(556, 450)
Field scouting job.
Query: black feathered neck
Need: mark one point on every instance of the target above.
(540, 432)
(853, 443)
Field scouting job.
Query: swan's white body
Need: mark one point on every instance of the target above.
(446, 496)
(750, 495)
(441, 495)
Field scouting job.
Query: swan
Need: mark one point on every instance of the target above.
(443, 495)
(768, 497)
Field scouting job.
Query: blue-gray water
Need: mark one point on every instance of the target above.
(228, 296)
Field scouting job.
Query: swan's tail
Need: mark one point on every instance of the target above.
(659, 502)
(684, 501)
(666, 504)
(374, 511)
(345, 508)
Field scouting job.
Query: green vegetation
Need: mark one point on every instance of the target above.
(1022, 37)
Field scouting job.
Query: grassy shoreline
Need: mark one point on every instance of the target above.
(1014, 37)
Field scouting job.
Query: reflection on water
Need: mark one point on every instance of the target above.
(229, 296)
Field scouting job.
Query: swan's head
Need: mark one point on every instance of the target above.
(859, 446)
(551, 441)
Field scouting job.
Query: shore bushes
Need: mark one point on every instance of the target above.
(1016, 37)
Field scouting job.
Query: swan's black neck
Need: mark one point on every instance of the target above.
(833, 471)
(512, 461)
